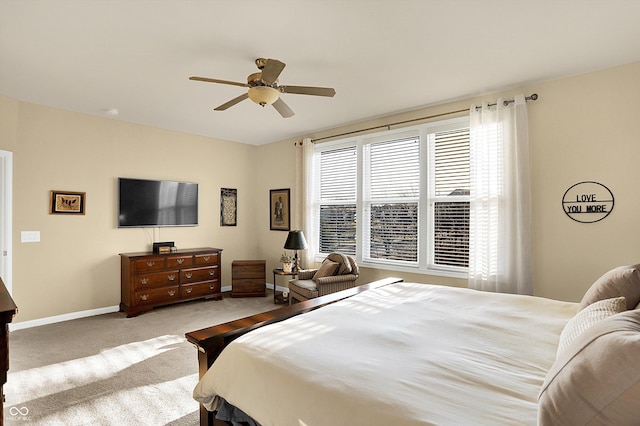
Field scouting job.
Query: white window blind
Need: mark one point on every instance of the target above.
(451, 184)
(393, 190)
(397, 199)
(338, 200)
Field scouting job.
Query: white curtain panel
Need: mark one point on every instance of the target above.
(305, 214)
(500, 210)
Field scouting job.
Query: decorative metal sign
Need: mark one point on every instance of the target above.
(587, 202)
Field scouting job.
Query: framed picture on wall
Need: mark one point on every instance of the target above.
(280, 210)
(66, 202)
(228, 207)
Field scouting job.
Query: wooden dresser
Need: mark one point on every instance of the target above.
(151, 279)
(248, 278)
(7, 310)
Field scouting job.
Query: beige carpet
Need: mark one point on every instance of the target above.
(113, 370)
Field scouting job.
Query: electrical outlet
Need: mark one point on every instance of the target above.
(30, 236)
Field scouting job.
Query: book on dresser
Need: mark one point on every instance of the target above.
(151, 279)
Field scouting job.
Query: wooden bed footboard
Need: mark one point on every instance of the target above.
(211, 341)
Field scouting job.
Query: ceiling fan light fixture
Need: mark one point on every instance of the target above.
(263, 95)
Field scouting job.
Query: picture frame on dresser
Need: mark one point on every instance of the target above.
(279, 209)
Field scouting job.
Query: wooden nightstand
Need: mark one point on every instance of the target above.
(248, 278)
(279, 298)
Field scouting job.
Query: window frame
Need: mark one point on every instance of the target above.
(426, 200)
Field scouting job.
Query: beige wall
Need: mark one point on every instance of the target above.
(76, 266)
(581, 128)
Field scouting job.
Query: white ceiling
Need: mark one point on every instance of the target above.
(381, 57)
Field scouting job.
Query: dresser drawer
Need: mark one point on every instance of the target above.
(206, 259)
(157, 295)
(179, 261)
(200, 289)
(149, 264)
(157, 279)
(195, 275)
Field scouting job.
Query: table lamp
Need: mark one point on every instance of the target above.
(295, 241)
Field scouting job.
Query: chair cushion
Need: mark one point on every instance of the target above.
(596, 380)
(303, 284)
(622, 281)
(327, 269)
(343, 260)
(305, 288)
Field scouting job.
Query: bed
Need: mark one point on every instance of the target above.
(396, 353)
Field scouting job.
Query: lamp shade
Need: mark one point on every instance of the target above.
(263, 95)
(295, 241)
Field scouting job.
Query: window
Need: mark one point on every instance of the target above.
(398, 199)
(450, 197)
(392, 193)
(338, 205)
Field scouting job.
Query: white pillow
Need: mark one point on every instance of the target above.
(592, 314)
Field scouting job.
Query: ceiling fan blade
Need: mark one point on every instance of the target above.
(283, 108)
(307, 90)
(214, 80)
(232, 102)
(271, 71)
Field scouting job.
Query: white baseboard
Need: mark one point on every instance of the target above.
(61, 318)
(88, 313)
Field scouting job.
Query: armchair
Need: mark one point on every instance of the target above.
(337, 272)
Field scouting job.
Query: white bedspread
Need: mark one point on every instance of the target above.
(404, 354)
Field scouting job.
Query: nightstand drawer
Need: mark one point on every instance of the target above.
(248, 271)
(249, 285)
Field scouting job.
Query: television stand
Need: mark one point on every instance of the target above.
(152, 279)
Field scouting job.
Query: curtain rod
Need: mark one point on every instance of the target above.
(533, 97)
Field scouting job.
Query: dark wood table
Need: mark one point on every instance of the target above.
(279, 298)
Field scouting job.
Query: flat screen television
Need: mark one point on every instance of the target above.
(156, 203)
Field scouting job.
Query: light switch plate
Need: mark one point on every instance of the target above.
(30, 236)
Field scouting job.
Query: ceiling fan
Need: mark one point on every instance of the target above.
(264, 89)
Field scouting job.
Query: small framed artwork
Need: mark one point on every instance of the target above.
(66, 202)
(228, 207)
(280, 210)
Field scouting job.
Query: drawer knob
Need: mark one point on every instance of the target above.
(206, 258)
(188, 275)
(150, 263)
(144, 281)
(144, 297)
(180, 261)
(189, 290)
(211, 287)
(171, 277)
(171, 292)
(212, 272)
